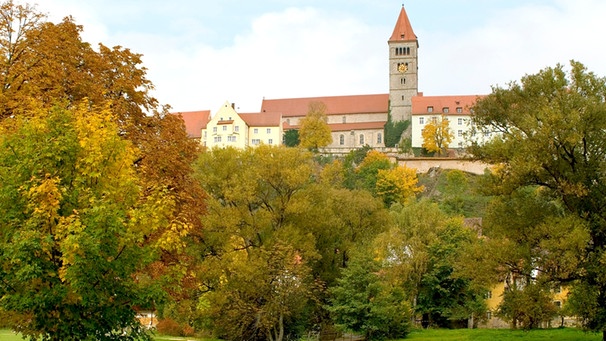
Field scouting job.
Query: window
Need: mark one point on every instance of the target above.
(214, 129)
(430, 109)
(231, 138)
(403, 81)
(558, 304)
(237, 128)
(361, 139)
(460, 121)
(205, 134)
(344, 119)
(486, 134)
(217, 139)
(488, 315)
(269, 130)
(256, 130)
(270, 141)
(341, 139)
(255, 142)
(557, 289)
(421, 120)
(488, 295)
(445, 110)
(379, 138)
(459, 110)
(402, 51)
(459, 133)
(224, 128)
(288, 120)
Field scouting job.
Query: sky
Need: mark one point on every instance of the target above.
(202, 53)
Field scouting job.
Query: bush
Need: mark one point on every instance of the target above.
(170, 327)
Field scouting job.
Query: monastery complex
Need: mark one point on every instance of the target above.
(355, 120)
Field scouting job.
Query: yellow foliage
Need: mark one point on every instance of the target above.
(373, 156)
(437, 135)
(397, 184)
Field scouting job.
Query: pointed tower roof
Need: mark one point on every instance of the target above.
(403, 30)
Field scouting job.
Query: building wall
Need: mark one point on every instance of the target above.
(403, 82)
(228, 129)
(352, 139)
(264, 135)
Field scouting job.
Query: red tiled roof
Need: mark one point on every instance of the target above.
(335, 105)
(345, 126)
(403, 29)
(265, 119)
(420, 104)
(195, 121)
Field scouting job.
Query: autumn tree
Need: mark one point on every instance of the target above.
(74, 224)
(397, 184)
(315, 132)
(47, 65)
(551, 134)
(254, 246)
(437, 135)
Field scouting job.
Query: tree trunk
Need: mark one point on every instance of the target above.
(603, 335)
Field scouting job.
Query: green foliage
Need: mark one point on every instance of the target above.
(456, 192)
(551, 133)
(422, 249)
(527, 307)
(393, 131)
(291, 138)
(73, 226)
(364, 302)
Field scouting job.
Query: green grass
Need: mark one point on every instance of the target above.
(7, 335)
(564, 334)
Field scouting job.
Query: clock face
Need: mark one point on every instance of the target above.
(403, 68)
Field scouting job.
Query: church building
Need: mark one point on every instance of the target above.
(355, 120)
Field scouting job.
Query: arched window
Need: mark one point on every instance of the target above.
(361, 139)
(341, 139)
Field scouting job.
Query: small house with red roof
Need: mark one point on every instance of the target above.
(227, 128)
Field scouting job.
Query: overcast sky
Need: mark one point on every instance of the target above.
(201, 53)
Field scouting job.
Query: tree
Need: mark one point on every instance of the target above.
(551, 133)
(437, 135)
(397, 184)
(291, 138)
(47, 65)
(367, 171)
(257, 253)
(420, 252)
(315, 132)
(74, 225)
(363, 301)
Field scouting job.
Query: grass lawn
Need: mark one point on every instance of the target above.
(565, 334)
(7, 335)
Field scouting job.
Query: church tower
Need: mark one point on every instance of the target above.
(403, 68)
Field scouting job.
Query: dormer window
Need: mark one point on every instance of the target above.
(445, 110)
(429, 109)
(459, 110)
